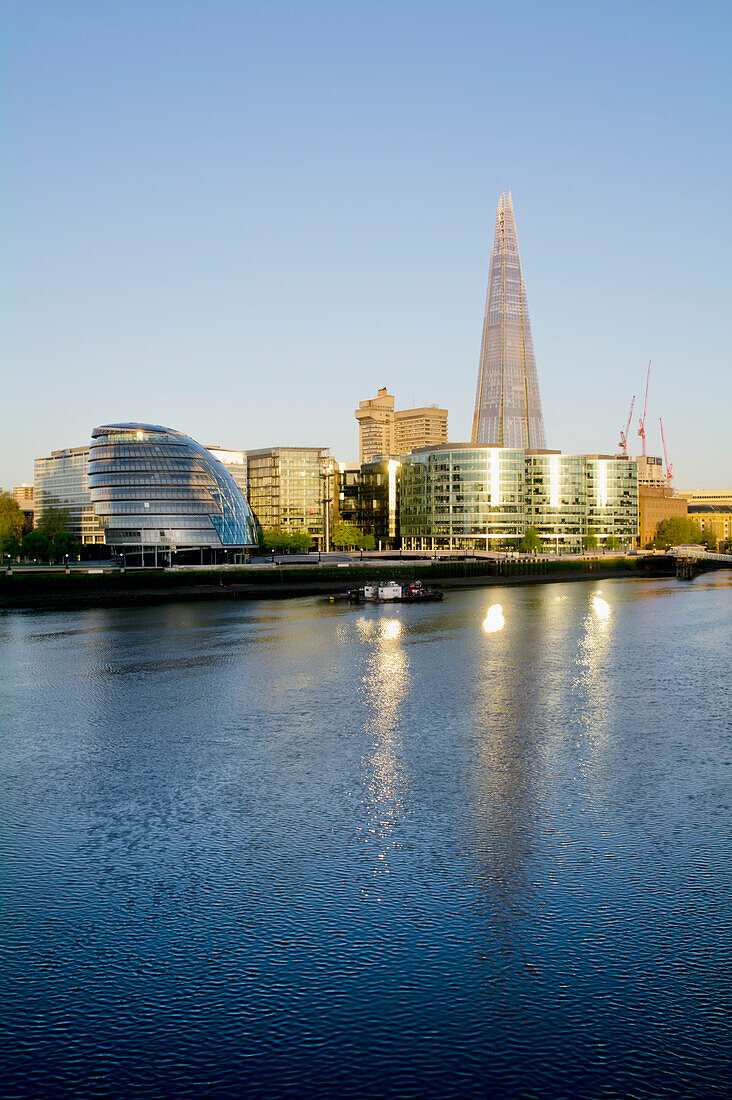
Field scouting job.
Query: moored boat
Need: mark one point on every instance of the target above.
(417, 592)
(390, 592)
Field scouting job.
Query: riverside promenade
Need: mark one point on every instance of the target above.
(97, 585)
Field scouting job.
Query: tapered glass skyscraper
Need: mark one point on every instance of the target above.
(507, 402)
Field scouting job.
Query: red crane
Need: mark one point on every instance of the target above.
(642, 421)
(669, 465)
(623, 444)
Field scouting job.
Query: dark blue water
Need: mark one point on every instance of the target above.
(302, 849)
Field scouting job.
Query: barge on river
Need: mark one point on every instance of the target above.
(390, 592)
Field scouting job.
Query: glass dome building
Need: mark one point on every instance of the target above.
(155, 489)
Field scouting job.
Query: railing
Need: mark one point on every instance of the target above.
(698, 552)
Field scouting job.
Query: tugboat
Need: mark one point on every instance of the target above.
(416, 592)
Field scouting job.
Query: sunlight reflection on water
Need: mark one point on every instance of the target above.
(494, 619)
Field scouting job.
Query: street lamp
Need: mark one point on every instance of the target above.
(325, 474)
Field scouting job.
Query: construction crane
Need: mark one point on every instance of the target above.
(669, 465)
(623, 444)
(642, 421)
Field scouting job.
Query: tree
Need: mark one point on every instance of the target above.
(709, 539)
(349, 537)
(612, 542)
(11, 524)
(531, 541)
(300, 542)
(36, 546)
(677, 531)
(275, 538)
(54, 526)
(589, 542)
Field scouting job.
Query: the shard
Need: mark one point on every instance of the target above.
(507, 402)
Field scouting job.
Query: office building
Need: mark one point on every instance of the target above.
(464, 497)
(378, 501)
(346, 504)
(424, 427)
(235, 462)
(23, 497)
(556, 499)
(287, 487)
(384, 431)
(612, 499)
(507, 402)
(61, 481)
(156, 491)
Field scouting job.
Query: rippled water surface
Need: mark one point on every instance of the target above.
(295, 848)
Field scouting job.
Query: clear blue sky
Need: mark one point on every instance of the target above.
(240, 218)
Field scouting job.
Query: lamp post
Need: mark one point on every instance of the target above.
(325, 474)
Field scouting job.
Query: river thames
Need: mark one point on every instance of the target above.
(469, 849)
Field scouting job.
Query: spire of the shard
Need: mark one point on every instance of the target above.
(507, 401)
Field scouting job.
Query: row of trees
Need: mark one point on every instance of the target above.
(285, 542)
(51, 540)
(345, 537)
(676, 531)
(531, 542)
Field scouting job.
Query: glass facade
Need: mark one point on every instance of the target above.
(153, 486)
(235, 462)
(556, 499)
(462, 497)
(62, 481)
(286, 490)
(379, 500)
(612, 498)
(507, 401)
(467, 497)
(347, 481)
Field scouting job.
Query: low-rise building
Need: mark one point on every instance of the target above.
(714, 519)
(712, 510)
(706, 496)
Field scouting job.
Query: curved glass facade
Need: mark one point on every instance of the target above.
(155, 486)
(463, 496)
